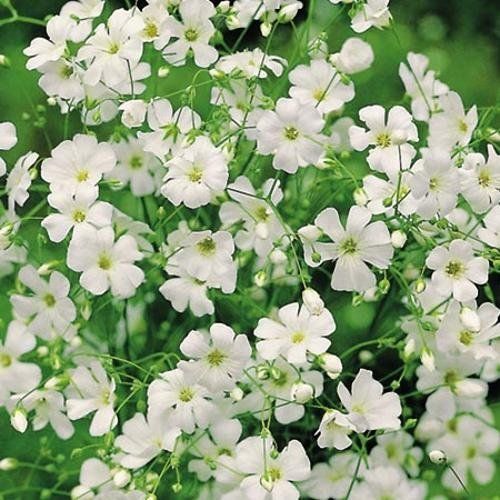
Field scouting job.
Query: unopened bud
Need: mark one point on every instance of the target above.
(437, 457)
(8, 463)
(331, 364)
(398, 239)
(163, 71)
(18, 420)
(236, 394)
(313, 301)
(420, 285)
(365, 356)
(360, 197)
(302, 393)
(121, 478)
(277, 256)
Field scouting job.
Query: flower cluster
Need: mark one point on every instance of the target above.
(193, 246)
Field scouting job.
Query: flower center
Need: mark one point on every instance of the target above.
(281, 379)
(471, 452)
(151, 29)
(79, 216)
(454, 269)
(261, 214)
(383, 140)
(291, 133)
(5, 360)
(82, 175)
(206, 246)
(484, 178)
(66, 71)
(186, 394)
(104, 262)
(49, 300)
(451, 378)
(195, 174)
(466, 337)
(106, 397)
(462, 126)
(298, 337)
(113, 48)
(433, 184)
(359, 408)
(273, 474)
(319, 94)
(191, 35)
(215, 358)
(348, 246)
(135, 162)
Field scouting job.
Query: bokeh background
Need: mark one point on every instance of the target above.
(461, 39)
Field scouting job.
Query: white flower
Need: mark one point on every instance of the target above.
(261, 227)
(218, 360)
(396, 448)
(8, 139)
(481, 180)
(297, 333)
(168, 128)
(136, 166)
(359, 243)
(332, 479)
(389, 137)
(42, 50)
(320, 85)
(78, 164)
(49, 306)
(491, 233)
(189, 401)
(334, 431)
(252, 63)
(113, 49)
(421, 85)
(435, 183)
(452, 126)
(91, 390)
(142, 440)
(207, 256)
(62, 79)
(270, 474)
(368, 407)
(456, 270)
(292, 134)
(104, 263)
(381, 483)
(468, 449)
(15, 375)
(355, 55)
(77, 211)
(210, 452)
(196, 174)
(19, 180)
(95, 475)
(454, 336)
(183, 291)
(192, 34)
(373, 13)
(313, 301)
(133, 112)
(49, 409)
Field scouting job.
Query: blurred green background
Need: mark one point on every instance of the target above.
(461, 38)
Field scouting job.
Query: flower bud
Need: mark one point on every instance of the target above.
(121, 478)
(260, 278)
(288, 12)
(301, 392)
(163, 72)
(365, 356)
(360, 197)
(437, 457)
(470, 319)
(265, 29)
(4, 61)
(51, 101)
(277, 256)
(355, 55)
(313, 301)
(398, 239)
(42, 351)
(409, 349)
(262, 372)
(236, 394)
(81, 491)
(420, 285)
(427, 359)
(133, 112)
(18, 419)
(8, 463)
(331, 364)
(176, 488)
